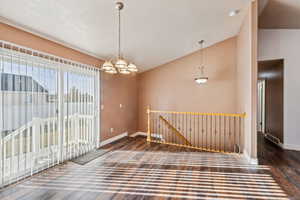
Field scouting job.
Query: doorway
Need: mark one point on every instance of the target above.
(270, 101)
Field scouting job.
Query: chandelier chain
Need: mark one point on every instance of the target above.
(120, 65)
(119, 30)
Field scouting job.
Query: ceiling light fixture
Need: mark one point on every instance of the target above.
(119, 65)
(234, 12)
(202, 78)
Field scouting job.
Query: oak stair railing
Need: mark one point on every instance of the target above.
(212, 132)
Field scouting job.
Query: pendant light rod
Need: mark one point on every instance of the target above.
(201, 42)
(202, 79)
(119, 7)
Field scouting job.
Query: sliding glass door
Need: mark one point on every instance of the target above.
(80, 112)
(49, 111)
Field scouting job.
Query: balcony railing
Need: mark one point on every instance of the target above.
(39, 145)
(214, 132)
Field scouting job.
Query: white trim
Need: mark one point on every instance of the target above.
(279, 144)
(154, 135)
(291, 147)
(252, 161)
(47, 37)
(138, 134)
(113, 139)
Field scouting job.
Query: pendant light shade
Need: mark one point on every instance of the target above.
(119, 65)
(202, 79)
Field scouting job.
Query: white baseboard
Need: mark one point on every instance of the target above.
(154, 135)
(291, 147)
(138, 134)
(113, 139)
(252, 161)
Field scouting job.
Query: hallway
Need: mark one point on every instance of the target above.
(133, 169)
(285, 165)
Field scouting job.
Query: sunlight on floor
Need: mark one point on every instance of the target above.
(180, 159)
(120, 172)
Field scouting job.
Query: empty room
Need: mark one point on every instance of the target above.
(149, 99)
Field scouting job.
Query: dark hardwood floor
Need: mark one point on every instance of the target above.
(134, 169)
(285, 165)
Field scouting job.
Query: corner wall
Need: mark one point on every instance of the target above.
(120, 106)
(247, 78)
(172, 87)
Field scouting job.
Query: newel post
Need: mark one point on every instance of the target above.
(148, 123)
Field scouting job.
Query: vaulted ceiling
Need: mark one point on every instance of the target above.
(154, 32)
(280, 14)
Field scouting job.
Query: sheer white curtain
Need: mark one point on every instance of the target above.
(49, 111)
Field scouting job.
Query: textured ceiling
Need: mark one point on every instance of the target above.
(154, 32)
(280, 14)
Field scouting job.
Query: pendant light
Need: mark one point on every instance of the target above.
(202, 78)
(119, 65)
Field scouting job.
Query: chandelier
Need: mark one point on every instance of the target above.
(201, 79)
(119, 65)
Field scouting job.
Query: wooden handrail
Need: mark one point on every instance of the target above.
(197, 113)
(213, 132)
(175, 130)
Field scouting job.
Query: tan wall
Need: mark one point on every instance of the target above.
(172, 87)
(115, 89)
(17, 36)
(119, 89)
(247, 77)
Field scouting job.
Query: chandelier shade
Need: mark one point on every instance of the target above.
(201, 80)
(107, 65)
(111, 71)
(119, 65)
(132, 67)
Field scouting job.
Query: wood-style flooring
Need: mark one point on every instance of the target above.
(284, 165)
(134, 169)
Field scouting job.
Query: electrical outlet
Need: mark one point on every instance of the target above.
(121, 106)
(111, 130)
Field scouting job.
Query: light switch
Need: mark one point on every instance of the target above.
(121, 106)
(111, 130)
(102, 107)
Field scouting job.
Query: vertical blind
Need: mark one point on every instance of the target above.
(49, 111)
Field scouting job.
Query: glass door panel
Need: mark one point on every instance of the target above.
(48, 113)
(79, 116)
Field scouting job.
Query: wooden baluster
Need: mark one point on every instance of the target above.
(148, 121)
(211, 134)
(234, 136)
(220, 136)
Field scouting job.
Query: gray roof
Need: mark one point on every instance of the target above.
(22, 83)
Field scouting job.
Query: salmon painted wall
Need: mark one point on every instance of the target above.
(116, 90)
(120, 105)
(172, 86)
(20, 37)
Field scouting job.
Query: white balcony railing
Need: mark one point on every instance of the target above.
(39, 145)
